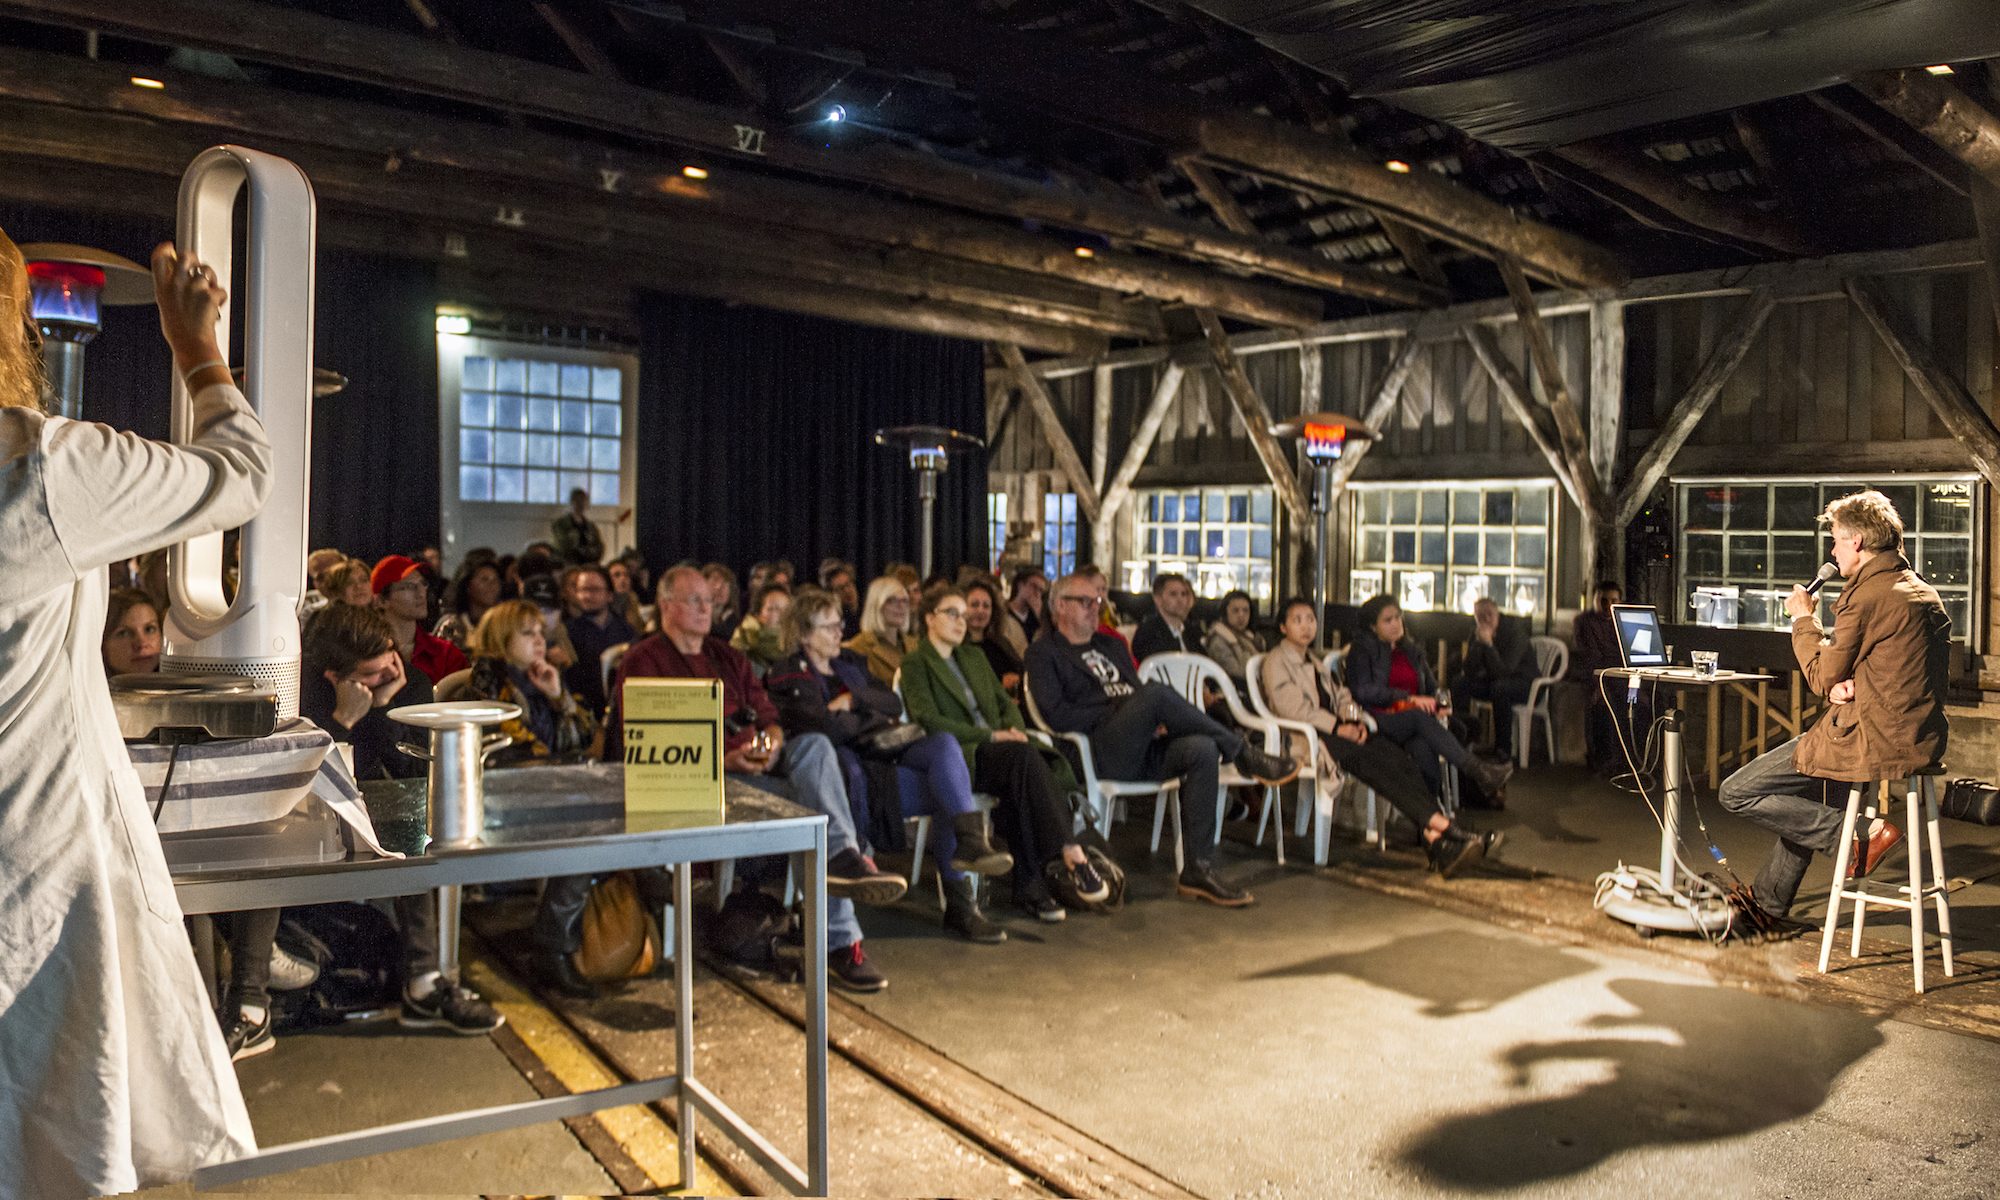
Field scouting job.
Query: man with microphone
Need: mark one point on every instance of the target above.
(1882, 670)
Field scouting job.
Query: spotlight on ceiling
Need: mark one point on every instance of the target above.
(454, 323)
(1085, 252)
(148, 82)
(1398, 166)
(836, 115)
(693, 172)
(1941, 69)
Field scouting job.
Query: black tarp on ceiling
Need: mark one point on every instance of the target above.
(1529, 74)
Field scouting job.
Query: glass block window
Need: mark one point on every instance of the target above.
(530, 431)
(996, 528)
(1220, 538)
(1761, 536)
(1444, 545)
(1058, 533)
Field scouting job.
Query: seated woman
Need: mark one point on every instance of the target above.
(510, 663)
(821, 688)
(1389, 675)
(885, 628)
(986, 621)
(477, 587)
(1296, 689)
(1231, 642)
(758, 635)
(624, 596)
(951, 689)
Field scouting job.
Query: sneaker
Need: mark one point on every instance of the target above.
(1267, 769)
(848, 969)
(853, 875)
(1045, 909)
(1198, 882)
(289, 972)
(246, 1038)
(452, 1007)
(1090, 886)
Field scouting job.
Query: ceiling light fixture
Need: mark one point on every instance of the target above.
(695, 172)
(1941, 69)
(1085, 252)
(1398, 166)
(147, 82)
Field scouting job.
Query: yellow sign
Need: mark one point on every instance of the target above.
(673, 745)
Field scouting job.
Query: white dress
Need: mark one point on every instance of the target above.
(113, 1074)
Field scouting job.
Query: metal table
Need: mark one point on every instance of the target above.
(560, 821)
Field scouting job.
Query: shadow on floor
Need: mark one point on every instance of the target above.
(1718, 1072)
(1453, 972)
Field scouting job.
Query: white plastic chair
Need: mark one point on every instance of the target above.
(1107, 796)
(1316, 802)
(1187, 674)
(607, 663)
(1551, 664)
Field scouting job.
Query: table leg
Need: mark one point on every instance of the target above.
(684, 1016)
(813, 870)
(449, 901)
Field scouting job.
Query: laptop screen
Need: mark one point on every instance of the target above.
(1639, 635)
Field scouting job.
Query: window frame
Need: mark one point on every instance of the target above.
(1451, 570)
(1142, 566)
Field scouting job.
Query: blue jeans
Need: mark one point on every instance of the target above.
(1806, 814)
(932, 780)
(808, 774)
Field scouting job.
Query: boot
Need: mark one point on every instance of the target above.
(962, 915)
(1492, 778)
(976, 854)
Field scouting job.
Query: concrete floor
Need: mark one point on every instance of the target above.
(1332, 1041)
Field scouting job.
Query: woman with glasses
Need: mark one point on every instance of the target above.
(822, 688)
(116, 1074)
(950, 688)
(885, 622)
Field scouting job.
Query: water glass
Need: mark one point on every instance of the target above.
(1704, 663)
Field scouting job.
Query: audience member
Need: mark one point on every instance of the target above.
(350, 676)
(1231, 642)
(1389, 674)
(804, 769)
(348, 584)
(593, 629)
(758, 636)
(986, 622)
(479, 585)
(913, 583)
(510, 663)
(729, 609)
(1499, 667)
(403, 598)
(837, 575)
(951, 689)
(1085, 682)
(625, 594)
(1107, 612)
(131, 634)
(885, 624)
(1297, 689)
(318, 563)
(431, 557)
(819, 687)
(1595, 648)
(1169, 629)
(545, 592)
(574, 534)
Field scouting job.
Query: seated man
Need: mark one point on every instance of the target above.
(402, 596)
(1883, 673)
(350, 678)
(593, 628)
(1594, 648)
(1083, 682)
(1499, 668)
(804, 769)
(1168, 629)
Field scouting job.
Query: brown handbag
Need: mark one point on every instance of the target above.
(621, 938)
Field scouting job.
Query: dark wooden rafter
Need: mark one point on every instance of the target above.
(1388, 396)
(1512, 388)
(1612, 161)
(350, 50)
(1043, 406)
(1694, 404)
(1956, 408)
(1571, 434)
(1166, 390)
(1256, 419)
(579, 44)
(1855, 111)
(1946, 115)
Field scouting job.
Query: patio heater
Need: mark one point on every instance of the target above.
(930, 448)
(1325, 436)
(68, 286)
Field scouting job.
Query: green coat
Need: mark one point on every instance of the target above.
(933, 699)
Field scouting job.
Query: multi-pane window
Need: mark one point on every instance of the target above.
(996, 528)
(531, 431)
(1445, 545)
(1745, 543)
(1220, 538)
(1058, 533)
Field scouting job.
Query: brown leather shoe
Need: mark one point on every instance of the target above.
(1870, 849)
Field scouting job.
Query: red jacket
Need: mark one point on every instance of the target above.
(436, 658)
(657, 658)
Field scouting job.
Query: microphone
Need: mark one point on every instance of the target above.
(1826, 571)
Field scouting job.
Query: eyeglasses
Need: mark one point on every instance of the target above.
(1077, 599)
(701, 601)
(833, 625)
(956, 614)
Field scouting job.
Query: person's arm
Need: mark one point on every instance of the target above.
(1222, 648)
(801, 706)
(1289, 696)
(1827, 663)
(1151, 638)
(921, 684)
(1048, 673)
(1368, 675)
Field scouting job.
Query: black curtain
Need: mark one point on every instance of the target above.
(755, 438)
(375, 445)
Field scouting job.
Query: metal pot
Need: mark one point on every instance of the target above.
(457, 757)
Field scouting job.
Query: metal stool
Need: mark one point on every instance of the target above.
(1911, 896)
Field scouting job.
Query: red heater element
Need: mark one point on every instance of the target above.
(1324, 440)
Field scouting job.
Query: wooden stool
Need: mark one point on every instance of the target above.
(1910, 897)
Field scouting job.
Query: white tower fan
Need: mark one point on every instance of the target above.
(255, 634)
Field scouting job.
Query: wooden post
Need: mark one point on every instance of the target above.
(1312, 380)
(1165, 392)
(1388, 394)
(1100, 423)
(1256, 421)
(1513, 391)
(1955, 407)
(1745, 325)
(1607, 385)
(1570, 432)
(1986, 214)
(1044, 408)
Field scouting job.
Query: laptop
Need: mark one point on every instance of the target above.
(1639, 640)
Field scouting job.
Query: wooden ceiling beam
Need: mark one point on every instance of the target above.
(1612, 162)
(1850, 106)
(1966, 129)
(351, 50)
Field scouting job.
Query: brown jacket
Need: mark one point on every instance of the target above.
(1285, 679)
(1892, 637)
